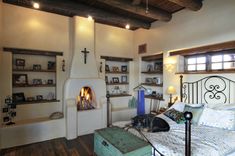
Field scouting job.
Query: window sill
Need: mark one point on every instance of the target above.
(208, 72)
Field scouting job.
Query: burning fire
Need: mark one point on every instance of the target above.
(85, 99)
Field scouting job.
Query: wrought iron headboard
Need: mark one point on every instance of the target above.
(210, 89)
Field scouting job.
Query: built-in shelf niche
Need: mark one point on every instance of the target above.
(110, 74)
(30, 89)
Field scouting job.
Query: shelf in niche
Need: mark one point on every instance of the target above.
(31, 70)
(152, 72)
(116, 72)
(119, 95)
(36, 101)
(32, 85)
(122, 109)
(155, 57)
(153, 97)
(122, 83)
(152, 84)
(118, 59)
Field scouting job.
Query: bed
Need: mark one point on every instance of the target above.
(211, 135)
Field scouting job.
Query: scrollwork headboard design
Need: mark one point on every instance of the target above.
(210, 89)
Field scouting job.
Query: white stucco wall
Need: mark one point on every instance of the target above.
(212, 24)
(113, 41)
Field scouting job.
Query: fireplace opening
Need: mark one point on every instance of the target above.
(86, 99)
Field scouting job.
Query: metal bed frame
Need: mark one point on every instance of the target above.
(205, 90)
(213, 88)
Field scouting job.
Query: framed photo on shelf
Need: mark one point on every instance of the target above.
(124, 79)
(107, 68)
(158, 66)
(149, 80)
(149, 67)
(124, 68)
(18, 97)
(39, 97)
(30, 99)
(49, 81)
(5, 109)
(6, 119)
(115, 80)
(36, 67)
(20, 79)
(12, 106)
(37, 81)
(51, 65)
(159, 80)
(155, 80)
(115, 69)
(20, 62)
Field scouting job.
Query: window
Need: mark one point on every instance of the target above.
(224, 61)
(196, 63)
(210, 61)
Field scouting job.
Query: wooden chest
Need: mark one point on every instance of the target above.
(115, 141)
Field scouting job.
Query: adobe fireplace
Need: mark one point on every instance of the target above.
(86, 99)
(84, 90)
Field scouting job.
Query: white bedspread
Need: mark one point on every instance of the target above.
(205, 141)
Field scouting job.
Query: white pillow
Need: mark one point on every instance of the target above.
(226, 107)
(179, 106)
(212, 105)
(218, 118)
(195, 105)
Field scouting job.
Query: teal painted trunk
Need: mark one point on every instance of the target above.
(115, 141)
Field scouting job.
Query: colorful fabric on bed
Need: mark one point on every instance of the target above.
(175, 115)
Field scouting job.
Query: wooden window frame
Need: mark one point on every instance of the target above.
(208, 62)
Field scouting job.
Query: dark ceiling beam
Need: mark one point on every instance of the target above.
(153, 13)
(193, 5)
(71, 8)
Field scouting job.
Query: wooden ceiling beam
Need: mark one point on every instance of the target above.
(193, 5)
(71, 8)
(153, 13)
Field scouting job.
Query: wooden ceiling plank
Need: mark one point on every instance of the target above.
(190, 4)
(73, 8)
(154, 13)
(205, 49)
(136, 2)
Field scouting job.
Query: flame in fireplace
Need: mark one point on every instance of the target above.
(85, 99)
